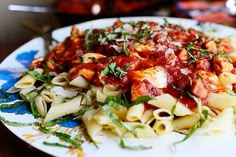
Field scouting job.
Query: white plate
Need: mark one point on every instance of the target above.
(203, 146)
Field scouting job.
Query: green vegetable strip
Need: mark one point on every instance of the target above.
(195, 127)
(56, 144)
(18, 124)
(117, 122)
(15, 104)
(139, 147)
(38, 76)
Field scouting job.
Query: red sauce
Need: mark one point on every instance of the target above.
(181, 52)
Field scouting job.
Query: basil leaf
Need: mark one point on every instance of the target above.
(38, 76)
(110, 69)
(195, 127)
(18, 103)
(126, 49)
(56, 144)
(113, 70)
(141, 99)
(117, 122)
(54, 122)
(18, 124)
(117, 100)
(139, 147)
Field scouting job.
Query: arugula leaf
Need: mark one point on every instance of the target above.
(124, 146)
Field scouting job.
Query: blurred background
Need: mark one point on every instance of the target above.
(22, 20)
(25, 19)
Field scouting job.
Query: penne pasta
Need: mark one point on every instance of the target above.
(227, 78)
(61, 79)
(92, 126)
(27, 80)
(48, 96)
(28, 91)
(135, 112)
(41, 105)
(147, 115)
(221, 101)
(111, 90)
(166, 101)
(186, 122)
(81, 82)
(222, 124)
(142, 130)
(63, 109)
(162, 114)
(162, 126)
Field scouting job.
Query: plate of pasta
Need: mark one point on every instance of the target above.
(133, 86)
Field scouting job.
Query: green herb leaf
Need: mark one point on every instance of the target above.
(141, 99)
(166, 23)
(39, 76)
(18, 124)
(113, 70)
(116, 100)
(195, 127)
(15, 104)
(139, 147)
(56, 144)
(117, 122)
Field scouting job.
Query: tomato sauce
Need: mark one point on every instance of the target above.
(131, 47)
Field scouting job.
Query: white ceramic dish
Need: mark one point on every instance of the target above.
(196, 146)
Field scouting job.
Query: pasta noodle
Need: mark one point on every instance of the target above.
(63, 109)
(92, 126)
(61, 79)
(27, 80)
(221, 101)
(41, 105)
(135, 112)
(186, 122)
(162, 126)
(162, 114)
(222, 124)
(167, 101)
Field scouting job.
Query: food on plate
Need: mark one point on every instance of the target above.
(136, 79)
